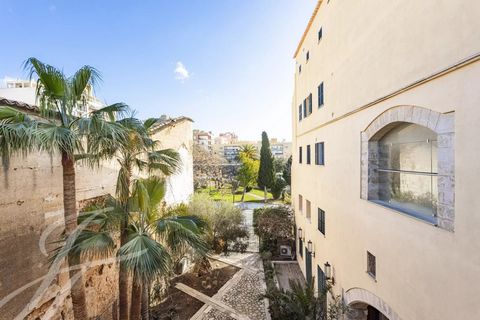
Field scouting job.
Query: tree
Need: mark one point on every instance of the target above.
(224, 222)
(56, 129)
(206, 167)
(278, 165)
(278, 187)
(155, 236)
(139, 152)
(265, 173)
(248, 150)
(272, 224)
(287, 171)
(248, 172)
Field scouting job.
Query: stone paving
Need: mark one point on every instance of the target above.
(243, 293)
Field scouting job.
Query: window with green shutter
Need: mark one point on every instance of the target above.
(320, 95)
(321, 221)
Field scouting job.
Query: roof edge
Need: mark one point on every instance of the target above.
(310, 22)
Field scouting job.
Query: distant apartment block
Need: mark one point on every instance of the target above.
(203, 138)
(226, 138)
(24, 91)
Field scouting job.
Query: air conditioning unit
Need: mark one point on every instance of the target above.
(285, 251)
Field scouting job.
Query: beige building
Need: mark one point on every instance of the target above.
(385, 173)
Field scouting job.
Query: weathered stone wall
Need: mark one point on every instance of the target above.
(31, 218)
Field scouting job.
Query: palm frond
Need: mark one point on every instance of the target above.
(84, 77)
(112, 112)
(166, 161)
(179, 233)
(144, 257)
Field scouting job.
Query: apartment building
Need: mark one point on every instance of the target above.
(385, 169)
(280, 150)
(25, 91)
(203, 139)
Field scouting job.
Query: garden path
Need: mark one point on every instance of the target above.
(242, 296)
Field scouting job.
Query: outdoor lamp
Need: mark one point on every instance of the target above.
(300, 233)
(328, 272)
(310, 248)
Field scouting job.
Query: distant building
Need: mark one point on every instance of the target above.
(226, 138)
(25, 91)
(203, 138)
(280, 150)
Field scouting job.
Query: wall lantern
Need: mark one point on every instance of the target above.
(300, 233)
(310, 248)
(328, 272)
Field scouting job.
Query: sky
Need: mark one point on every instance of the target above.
(227, 64)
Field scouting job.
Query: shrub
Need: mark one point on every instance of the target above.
(278, 187)
(225, 222)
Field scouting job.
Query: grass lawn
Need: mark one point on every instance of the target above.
(225, 194)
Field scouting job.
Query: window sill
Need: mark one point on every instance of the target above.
(431, 220)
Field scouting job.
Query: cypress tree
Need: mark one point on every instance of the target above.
(265, 173)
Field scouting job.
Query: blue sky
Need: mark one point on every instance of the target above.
(236, 71)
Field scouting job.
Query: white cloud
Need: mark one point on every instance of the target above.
(181, 73)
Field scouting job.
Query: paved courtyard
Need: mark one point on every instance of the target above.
(240, 298)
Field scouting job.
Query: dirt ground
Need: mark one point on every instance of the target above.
(179, 305)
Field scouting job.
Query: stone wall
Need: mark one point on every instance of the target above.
(31, 219)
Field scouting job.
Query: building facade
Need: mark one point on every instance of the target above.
(385, 172)
(25, 91)
(203, 138)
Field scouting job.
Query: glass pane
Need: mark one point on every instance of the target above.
(409, 147)
(412, 193)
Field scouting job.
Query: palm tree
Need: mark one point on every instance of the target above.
(154, 238)
(249, 151)
(140, 152)
(56, 129)
(159, 237)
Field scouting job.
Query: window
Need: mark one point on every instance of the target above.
(406, 177)
(321, 221)
(300, 154)
(308, 154)
(305, 108)
(321, 281)
(300, 203)
(307, 56)
(320, 34)
(319, 153)
(320, 95)
(310, 104)
(300, 69)
(299, 112)
(371, 265)
(309, 210)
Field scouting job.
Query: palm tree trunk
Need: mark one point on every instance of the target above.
(79, 301)
(265, 193)
(146, 302)
(123, 274)
(136, 301)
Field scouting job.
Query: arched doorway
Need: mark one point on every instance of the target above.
(364, 305)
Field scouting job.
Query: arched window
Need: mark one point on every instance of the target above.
(406, 177)
(408, 163)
